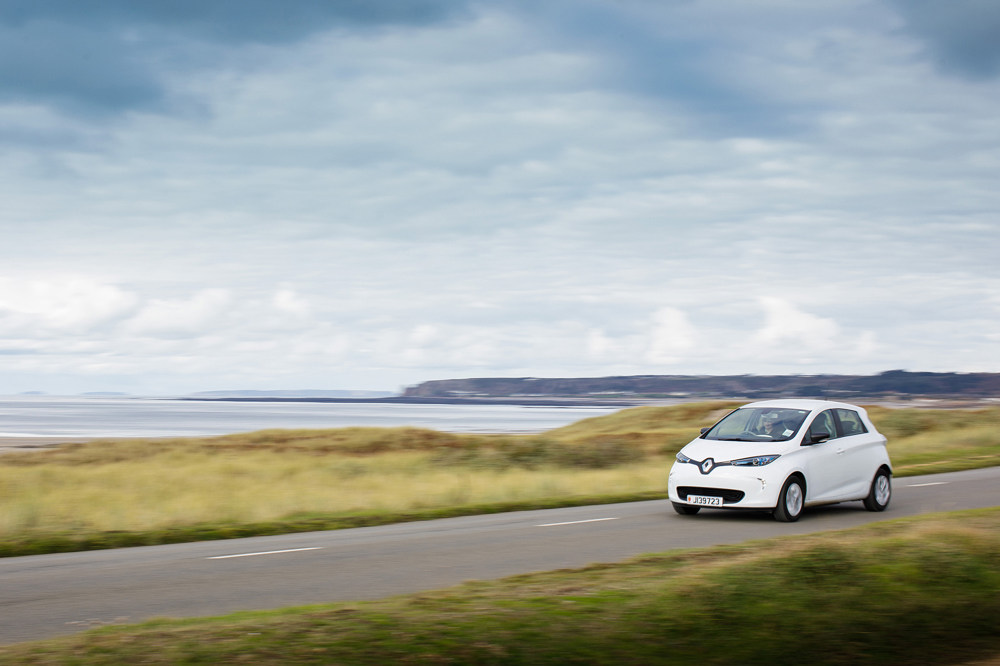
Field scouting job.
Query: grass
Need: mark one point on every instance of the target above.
(924, 441)
(909, 591)
(115, 493)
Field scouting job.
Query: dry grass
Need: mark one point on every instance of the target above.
(937, 440)
(661, 429)
(173, 486)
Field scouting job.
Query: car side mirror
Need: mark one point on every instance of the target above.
(817, 437)
(704, 430)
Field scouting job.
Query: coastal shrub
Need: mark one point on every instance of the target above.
(905, 423)
(538, 452)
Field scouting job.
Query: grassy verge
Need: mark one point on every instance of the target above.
(909, 591)
(39, 541)
(112, 493)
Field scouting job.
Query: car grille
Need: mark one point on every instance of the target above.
(728, 496)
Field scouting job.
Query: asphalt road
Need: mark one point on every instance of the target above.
(48, 595)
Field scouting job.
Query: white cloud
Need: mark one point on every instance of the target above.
(600, 347)
(290, 302)
(672, 335)
(789, 327)
(67, 305)
(198, 315)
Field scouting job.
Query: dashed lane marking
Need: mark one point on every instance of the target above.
(269, 552)
(576, 522)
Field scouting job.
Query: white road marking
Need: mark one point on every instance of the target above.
(576, 522)
(269, 552)
(924, 485)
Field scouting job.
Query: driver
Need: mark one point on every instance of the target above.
(770, 425)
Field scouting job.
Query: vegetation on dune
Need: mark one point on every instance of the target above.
(924, 441)
(130, 492)
(650, 429)
(911, 591)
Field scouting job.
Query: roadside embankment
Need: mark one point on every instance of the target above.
(909, 591)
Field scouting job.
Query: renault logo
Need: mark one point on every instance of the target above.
(707, 465)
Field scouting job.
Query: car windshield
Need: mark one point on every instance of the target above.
(758, 424)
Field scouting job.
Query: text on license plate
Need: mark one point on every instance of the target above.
(704, 500)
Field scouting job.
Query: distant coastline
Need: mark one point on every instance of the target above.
(894, 386)
(540, 401)
(641, 389)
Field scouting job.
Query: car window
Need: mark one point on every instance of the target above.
(850, 423)
(823, 423)
(756, 424)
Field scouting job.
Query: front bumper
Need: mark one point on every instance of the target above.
(739, 487)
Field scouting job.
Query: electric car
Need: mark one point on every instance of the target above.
(782, 456)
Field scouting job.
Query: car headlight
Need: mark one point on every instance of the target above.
(683, 458)
(756, 461)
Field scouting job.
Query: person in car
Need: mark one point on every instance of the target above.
(771, 425)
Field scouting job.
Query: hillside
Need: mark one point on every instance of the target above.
(890, 384)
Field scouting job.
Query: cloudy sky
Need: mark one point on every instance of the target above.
(367, 194)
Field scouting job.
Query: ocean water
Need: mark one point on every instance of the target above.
(94, 417)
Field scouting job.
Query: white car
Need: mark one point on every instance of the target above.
(782, 456)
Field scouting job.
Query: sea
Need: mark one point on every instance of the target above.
(97, 417)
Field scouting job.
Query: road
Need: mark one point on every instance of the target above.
(48, 595)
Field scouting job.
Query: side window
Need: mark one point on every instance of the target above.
(824, 423)
(850, 423)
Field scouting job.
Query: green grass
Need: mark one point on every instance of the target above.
(116, 493)
(925, 441)
(909, 591)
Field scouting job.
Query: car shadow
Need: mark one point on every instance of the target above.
(744, 515)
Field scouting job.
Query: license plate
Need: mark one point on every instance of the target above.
(704, 500)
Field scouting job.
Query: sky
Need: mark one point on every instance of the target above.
(369, 194)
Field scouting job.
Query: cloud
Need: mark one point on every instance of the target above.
(668, 55)
(113, 56)
(672, 335)
(87, 70)
(290, 302)
(63, 305)
(805, 342)
(961, 35)
(198, 315)
(239, 20)
(788, 325)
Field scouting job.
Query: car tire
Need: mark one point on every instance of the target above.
(685, 509)
(880, 493)
(791, 501)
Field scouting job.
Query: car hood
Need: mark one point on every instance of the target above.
(720, 451)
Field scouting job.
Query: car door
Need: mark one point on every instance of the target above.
(829, 467)
(857, 448)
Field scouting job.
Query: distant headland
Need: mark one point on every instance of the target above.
(892, 385)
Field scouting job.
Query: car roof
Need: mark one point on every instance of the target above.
(804, 403)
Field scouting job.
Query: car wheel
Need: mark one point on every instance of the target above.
(685, 509)
(881, 492)
(790, 501)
